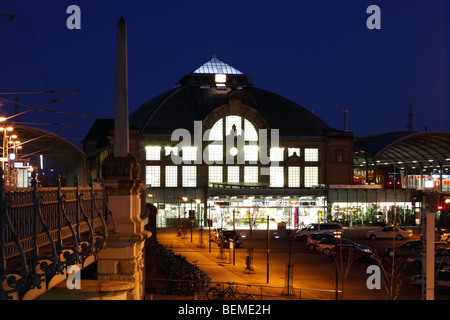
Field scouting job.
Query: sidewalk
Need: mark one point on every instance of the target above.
(221, 269)
(208, 263)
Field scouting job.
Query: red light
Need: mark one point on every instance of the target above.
(439, 207)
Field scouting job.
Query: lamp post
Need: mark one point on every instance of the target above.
(268, 248)
(179, 208)
(6, 155)
(192, 214)
(201, 244)
(336, 295)
(209, 226)
(191, 218)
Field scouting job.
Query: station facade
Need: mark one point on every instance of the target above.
(216, 148)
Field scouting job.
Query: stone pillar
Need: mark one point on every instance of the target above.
(122, 259)
(121, 135)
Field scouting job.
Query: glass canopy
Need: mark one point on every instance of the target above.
(214, 65)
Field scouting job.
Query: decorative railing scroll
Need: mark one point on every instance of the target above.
(43, 231)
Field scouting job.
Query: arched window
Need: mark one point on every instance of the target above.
(217, 151)
(224, 127)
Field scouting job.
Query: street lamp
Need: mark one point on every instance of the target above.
(201, 244)
(337, 235)
(192, 214)
(179, 205)
(6, 155)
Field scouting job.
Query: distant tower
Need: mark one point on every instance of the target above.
(410, 118)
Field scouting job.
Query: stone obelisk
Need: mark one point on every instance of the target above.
(121, 136)
(123, 258)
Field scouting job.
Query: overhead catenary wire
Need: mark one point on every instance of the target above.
(41, 75)
(36, 40)
(25, 66)
(43, 105)
(47, 110)
(34, 92)
(45, 124)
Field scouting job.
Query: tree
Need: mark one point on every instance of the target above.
(392, 268)
(342, 269)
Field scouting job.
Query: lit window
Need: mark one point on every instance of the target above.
(189, 178)
(215, 152)
(250, 133)
(216, 134)
(251, 174)
(233, 174)
(292, 151)
(276, 176)
(294, 177)
(311, 177)
(153, 153)
(276, 154)
(170, 150)
(220, 78)
(233, 120)
(311, 154)
(250, 153)
(189, 153)
(215, 174)
(171, 176)
(153, 176)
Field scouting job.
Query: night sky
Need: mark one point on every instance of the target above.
(319, 54)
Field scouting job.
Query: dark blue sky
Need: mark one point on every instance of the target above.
(319, 54)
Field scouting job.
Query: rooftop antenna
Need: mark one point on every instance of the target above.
(410, 118)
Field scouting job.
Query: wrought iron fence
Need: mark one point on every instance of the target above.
(43, 231)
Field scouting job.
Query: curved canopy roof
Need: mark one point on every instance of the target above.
(184, 104)
(406, 147)
(36, 141)
(198, 95)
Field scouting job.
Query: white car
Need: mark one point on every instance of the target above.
(329, 227)
(390, 232)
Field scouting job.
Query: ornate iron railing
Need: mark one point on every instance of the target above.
(43, 231)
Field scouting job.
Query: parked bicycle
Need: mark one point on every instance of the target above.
(185, 277)
(229, 292)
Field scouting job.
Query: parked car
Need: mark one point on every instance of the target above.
(390, 232)
(407, 249)
(441, 258)
(319, 227)
(442, 234)
(351, 252)
(215, 234)
(314, 238)
(325, 245)
(227, 235)
(441, 281)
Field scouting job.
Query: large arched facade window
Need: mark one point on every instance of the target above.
(233, 151)
(224, 127)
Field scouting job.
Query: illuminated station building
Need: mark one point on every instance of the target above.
(232, 152)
